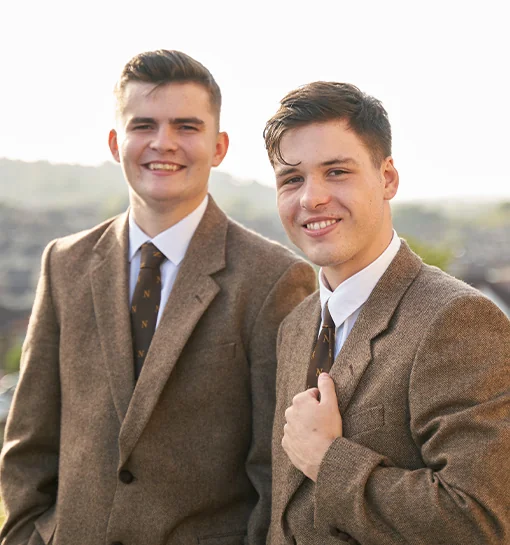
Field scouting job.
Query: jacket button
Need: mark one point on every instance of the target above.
(126, 477)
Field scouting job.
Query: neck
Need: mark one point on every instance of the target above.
(154, 219)
(336, 274)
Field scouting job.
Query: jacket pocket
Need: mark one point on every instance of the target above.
(46, 525)
(213, 352)
(369, 419)
(235, 538)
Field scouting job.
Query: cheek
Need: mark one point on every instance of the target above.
(129, 148)
(285, 208)
(198, 150)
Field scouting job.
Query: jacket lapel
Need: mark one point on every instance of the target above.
(303, 342)
(192, 293)
(373, 319)
(109, 275)
(355, 355)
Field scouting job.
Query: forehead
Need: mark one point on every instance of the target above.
(319, 142)
(186, 99)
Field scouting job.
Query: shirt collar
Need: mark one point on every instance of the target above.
(174, 241)
(350, 295)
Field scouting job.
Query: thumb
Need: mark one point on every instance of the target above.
(326, 389)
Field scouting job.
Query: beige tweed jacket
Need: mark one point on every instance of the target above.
(423, 385)
(182, 458)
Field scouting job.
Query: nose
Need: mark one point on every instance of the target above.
(315, 193)
(164, 140)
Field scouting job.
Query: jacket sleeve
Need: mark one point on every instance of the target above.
(296, 283)
(29, 459)
(459, 400)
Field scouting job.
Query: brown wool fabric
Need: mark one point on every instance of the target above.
(145, 303)
(323, 354)
(225, 311)
(422, 387)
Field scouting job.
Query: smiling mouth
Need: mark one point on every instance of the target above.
(315, 226)
(164, 166)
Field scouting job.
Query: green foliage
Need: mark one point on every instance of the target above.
(12, 359)
(438, 256)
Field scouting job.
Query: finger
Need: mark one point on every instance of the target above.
(326, 389)
(313, 392)
(299, 398)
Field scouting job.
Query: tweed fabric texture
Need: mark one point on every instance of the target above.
(423, 386)
(194, 432)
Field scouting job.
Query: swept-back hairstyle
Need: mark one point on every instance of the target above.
(163, 66)
(323, 101)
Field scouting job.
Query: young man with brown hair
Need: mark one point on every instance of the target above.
(392, 419)
(144, 408)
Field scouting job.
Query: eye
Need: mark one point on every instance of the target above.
(294, 180)
(188, 128)
(337, 172)
(142, 127)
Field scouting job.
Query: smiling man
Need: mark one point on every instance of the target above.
(144, 408)
(393, 408)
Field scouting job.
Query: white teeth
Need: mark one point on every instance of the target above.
(163, 166)
(320, 224)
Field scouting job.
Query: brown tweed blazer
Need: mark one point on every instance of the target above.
(423, 385)
(183, 457)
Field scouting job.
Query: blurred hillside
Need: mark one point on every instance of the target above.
(40, 201)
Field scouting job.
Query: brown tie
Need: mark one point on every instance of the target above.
(145, 303)
(323, 354)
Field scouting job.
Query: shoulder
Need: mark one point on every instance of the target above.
(242, 240)
(256, 253)
(78, 247)
(442, 290)
(453, 313)
(426, 289)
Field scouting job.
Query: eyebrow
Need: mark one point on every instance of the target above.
(286, 171)
(191, 120)
(172, 120)
(328, 163)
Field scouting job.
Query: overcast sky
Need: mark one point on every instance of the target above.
(440, 68)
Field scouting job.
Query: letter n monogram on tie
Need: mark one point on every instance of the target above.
(145, 303)
(323, 354)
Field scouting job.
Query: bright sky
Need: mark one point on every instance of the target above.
(441, 69)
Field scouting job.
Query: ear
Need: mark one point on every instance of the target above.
(391, 179)
(113, 145)
(222, 142)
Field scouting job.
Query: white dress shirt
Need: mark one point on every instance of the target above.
(346, 301)
(172, 243)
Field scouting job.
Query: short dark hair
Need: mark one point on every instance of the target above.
(323, 101)
(162, 67)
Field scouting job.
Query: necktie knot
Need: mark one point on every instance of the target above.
(328, 320)
(151, 256)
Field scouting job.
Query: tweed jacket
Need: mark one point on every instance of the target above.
(183, 456)
(423, 386)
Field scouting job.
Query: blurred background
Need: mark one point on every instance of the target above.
(440, 68)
